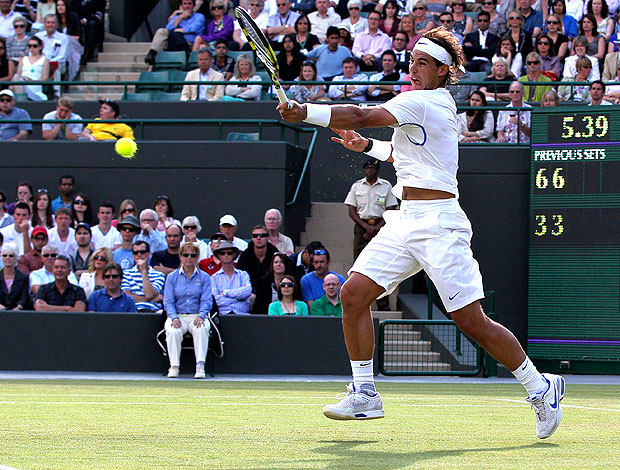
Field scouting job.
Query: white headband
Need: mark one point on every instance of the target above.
(434, 50)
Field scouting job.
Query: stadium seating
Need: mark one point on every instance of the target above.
(177, 76)
(170, 60)
(153, 77)
(243, 136)
(192, 61)
(146, 96)
(164, 96)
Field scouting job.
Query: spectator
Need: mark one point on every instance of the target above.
(191, 229)
(399, 46)
(187, 301)
(23, 191)
(577, 92)
(507, 51)
(107, 131)
(62, 130)
(580, 47)
(568, 22)
(228, 226)
(62, 235)
(312, 283)
(92, 280)
(42, 210)
(596, 42)
(66, 186)
(27, 9)
(273, 222)
(149, 232)
(20, 230)
(111, 298)
(256, 259)
(303, 6)
(167, 260)
(290, 59)
(127, 207)
(45, 274)
(322, 19)
(244, 72)
(345, 39)
(5, 218)
(499, 73)
(521, 37)
(8, 112)
(612, 92)
(407, 24)
(480, 46)
(281, 22)
(597, 94)
(231, 286)
(286, 303)
(302, 261)
(223, 63)
(446, 21)
(220, 27)
(389, 74)
(33, 260)
(329, 56)
(7, 66)
(612, 60)
(142, 283)
(356, 23)
(307, 41)
(532, 19)
(306, 92)
(165, 213)
(367, 200)
(328, 305)
(559, 41)
(81, 258)
(91, 14)
(179, 34)
(463, 24)
(204, 73)
(128, 228)
(390, 18)
(104, 235)
(212, 264)
(267, 286)
(550, 65)
(534, 92)
(7, 18)
(550, 99)
(514, 126)
(60, 295)
(55, 48)
(612, 45)
(355, 92)
(424, 21)
(81, 210)
(476, 125)
(497, 23)
(69, 24)
(13, 282)
(369, 45)
(603, 21)
(17, 44)
(260, 17)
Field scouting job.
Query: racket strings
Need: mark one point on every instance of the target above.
(257, 42)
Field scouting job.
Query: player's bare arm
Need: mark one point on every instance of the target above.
(346, 116)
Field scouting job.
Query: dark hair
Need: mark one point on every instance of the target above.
(3, 58)
(67, 15)
(3, 196)
(592, 19)
(109, 205)
(25, 183)
(141, 242)
(507, 37)
(322, 249)
(36, 39)
(389, 52)
(111, 266)
(394, 4)
(288, 277)
(63, 210)
(600, 82)
(302, 16)
(484, 13)
(296, 46)
(604, 9)
(314, 245)
(554, 2)
(551, 48)
(332, 30)
(307, 63)
(348, 60)
(88, 213)
(22, 205)
(66, 177)
(63, 258)
(169, 210)
(400, 31)
(221, 41)
(477, 124)
(285, 260)
(48, 222)
(447, 13)
(259, 226)
(375, 11)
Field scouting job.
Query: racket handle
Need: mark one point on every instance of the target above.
(282, 96)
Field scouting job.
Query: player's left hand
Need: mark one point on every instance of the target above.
(296, 113)
(350, 139)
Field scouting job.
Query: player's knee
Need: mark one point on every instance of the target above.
(471, 321)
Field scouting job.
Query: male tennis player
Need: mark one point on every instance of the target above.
(430, 231)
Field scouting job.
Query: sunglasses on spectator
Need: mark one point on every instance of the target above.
(320, 252)
(586, 66)
(287, 284)
(189, 255)
(483, 20)
(20, 25)
(111, 276)
(442, 22)
(458, 4)
(260, 235)
(140, 252)
(226, 252)
(254, 5)
(217, 7)
(514, 91)
(49, 255)
(41, 238)
(487, 3)
(418, 8)
(11, 255)
(128, 209)
(6, 100)
(100, 258)
(190, 227)
(128, 228)
(79, 202)
(33, 45)
(354, 8)
(514, 17)
(532, 62)
(552, 22)
(543, 43)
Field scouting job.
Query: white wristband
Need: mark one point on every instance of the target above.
(319, 114)
(381, 149)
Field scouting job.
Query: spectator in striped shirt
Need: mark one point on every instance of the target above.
(231, 286)
(141, 282)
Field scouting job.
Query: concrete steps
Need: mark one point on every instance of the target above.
(406, 366)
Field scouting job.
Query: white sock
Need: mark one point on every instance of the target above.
(529, 377)
(363, 373)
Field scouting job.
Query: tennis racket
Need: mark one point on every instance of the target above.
(259, 43)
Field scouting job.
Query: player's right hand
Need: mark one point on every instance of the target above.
(296, 112)
(350, 139)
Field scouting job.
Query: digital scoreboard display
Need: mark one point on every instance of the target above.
(574, 255)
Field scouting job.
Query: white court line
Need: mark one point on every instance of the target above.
(321, 397)
(4, 467)
(593, 408)
(29, 403)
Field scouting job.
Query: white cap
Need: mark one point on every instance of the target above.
(228, 219)
(7, 92)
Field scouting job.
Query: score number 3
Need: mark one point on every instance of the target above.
(542, 229)
(593, 127)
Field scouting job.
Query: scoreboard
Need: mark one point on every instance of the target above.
(574, 255)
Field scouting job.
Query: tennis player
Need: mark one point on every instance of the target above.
(430, 231)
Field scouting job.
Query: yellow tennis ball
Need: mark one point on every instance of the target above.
(126, 147)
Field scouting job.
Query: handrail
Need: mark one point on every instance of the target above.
(315, 134)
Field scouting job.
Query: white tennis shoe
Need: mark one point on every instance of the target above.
(200, 372)
(173, 372)
(546, 405)
(356, 404)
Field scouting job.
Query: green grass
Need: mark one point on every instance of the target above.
(268, 425)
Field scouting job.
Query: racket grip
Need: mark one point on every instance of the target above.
(282, 96)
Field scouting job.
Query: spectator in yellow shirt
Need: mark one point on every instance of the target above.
(103, 131)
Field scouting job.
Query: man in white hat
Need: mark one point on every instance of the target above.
(228, 226)
(8, 112)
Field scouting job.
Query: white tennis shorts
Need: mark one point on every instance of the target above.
(431, 235)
